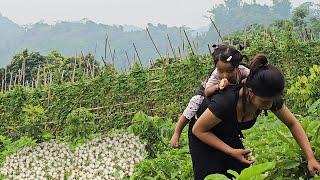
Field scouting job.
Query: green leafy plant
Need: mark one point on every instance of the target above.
(174, 164)
(255, 172)
(154, 130)
(79, 125)
(8, 147)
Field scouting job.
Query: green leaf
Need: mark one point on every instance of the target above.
(314, 106)
(233, 173)
(290, 164)
(216, 177)
(139, 116)
(283, 137)
(256, 170)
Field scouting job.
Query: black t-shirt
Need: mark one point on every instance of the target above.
(223, 105)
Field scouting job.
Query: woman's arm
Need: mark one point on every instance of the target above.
(299, 135)
(201, 129)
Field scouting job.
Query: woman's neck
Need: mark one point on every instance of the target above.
(249, 107)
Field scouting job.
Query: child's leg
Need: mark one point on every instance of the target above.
(193, 106)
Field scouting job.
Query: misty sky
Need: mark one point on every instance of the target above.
(133, 12)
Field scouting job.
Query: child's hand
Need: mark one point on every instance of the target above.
(174, 142)
(223, 83)
(203, 83)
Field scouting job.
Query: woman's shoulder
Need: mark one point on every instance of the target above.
(223, 104)
(226, 97)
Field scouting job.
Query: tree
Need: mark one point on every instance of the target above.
(282, 8)
(299, 14)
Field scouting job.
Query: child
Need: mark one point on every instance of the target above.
(228, 71)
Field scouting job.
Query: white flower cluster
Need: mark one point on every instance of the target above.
(109, 157)
(46, 160)
(106, 157)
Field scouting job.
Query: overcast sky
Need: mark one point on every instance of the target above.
(133, 12)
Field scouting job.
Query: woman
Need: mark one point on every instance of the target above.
(215, 143)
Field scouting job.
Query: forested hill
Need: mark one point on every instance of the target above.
(70, 38)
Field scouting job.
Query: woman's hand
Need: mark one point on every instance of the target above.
(314, 167)
(174, 142)
(240, 154)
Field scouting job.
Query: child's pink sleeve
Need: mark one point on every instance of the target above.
(244, 71)
(213, 79)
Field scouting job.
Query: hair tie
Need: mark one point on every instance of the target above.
(229, 58)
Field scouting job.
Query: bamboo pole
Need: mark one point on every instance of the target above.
(51, 80)
(137, 54)
(216, 29)
(44, 76)
(307, 34)
(209, 50)
(32, 83)
(154, 43)
(113, 57)
(5, 79)
(182, 43)
(272, 40)
(245, 36)
(24, 72)
(93, 69)
(11, 79)
(188, 41)
(129, 64)
(62, 75)
(19, 77)
(108, 43)
(105, 48)
(74, 68)
(197, 42)
(2, 85)
(179, 50)
(173, 52)
(194, 46)
(38, 77)
(15, 80)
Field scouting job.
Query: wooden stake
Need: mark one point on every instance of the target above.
(180, 53)
(15, 80)
(11, 79)
(23, 72)
(5, 79)
(137, 54)
(209, 50)
(188, 41)
(216, 29)
(245, 37)
(113, 57)
(74, 68)
(173, 52)
(182, 43)
(129, 64)
(62, 75)
(38, 76)
(154, 43)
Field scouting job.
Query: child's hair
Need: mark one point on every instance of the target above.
(227, 53)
